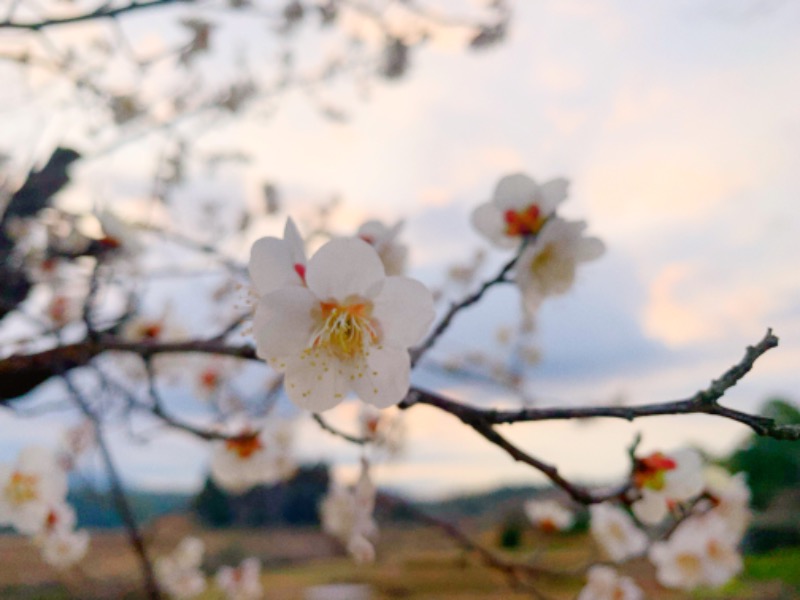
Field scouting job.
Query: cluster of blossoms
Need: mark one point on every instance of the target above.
(253, 458)
(33, 501)
(709, 514)
(336, 322)
(523, 211)
(346, 514)
(179, 574)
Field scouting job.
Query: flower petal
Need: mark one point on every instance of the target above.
(271, 266)
(297, 248)
(404, 310)
(316, 382)
(551, 194)
(342, 268)
(515, 192)
(283, 323)
(386, 378)
(487, 219)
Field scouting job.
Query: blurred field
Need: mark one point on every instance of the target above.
(414, 563)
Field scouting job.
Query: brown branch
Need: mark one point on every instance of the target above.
(103, 12)
(361, 441)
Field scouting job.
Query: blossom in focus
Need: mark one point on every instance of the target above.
(242, 582)
(179, 573)
(346, 514)
(349, 329)
(276, 263)
(700, 552)
(393, 254)
(547, 267)
(664, 480)
(616, 533)
(29, 488)
(604, 583)
(252, 459)
(518, 208)
(549, 515)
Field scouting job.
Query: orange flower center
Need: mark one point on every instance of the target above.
(245, 446)
(650, 471)
(345, 329)
(523, 222)
(21, 488)
(209, 379)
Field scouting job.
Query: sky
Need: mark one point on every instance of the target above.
(677, 123)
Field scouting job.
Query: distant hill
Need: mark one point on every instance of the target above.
(95, 509)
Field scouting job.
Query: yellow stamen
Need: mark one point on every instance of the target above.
(21, 488)
(345, 329)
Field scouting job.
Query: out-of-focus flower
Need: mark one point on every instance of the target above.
(179, 573)
(701, 551)
(547, 267)
(62, 310)
(730, 498)
(393, 254)
(519, 208)
(63, 548)
(29, 488)
(604, 583)
(664, 480)
(347, 516)
(75, 441)
(349, 329)
(276, 263)
(119, 237)
(384, 428)
(242, 582)
(253, 459)
(549, 515)
(616, 533)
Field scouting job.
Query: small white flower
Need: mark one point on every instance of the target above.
(605, 584)
(179, 573)
(253, 459)
(349, 329)
(701, 551)
(547, 267)
(549, 515)
(384, 239)
(665, 480)
(242, 582)
(519, 207)
(616, 533)
(29, 488)
(276, 263)
(62, 548)
(730, 498)
(347, 515)
(384, 428)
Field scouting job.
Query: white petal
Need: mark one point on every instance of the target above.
(515, 192)
(297, 249)
(487, 219)
(316, 382)
(386, 378)
(551, 194)
(342, 268)
(404, 310)
(271, 266)
(651, 508)
(283, 322)
(590, 249)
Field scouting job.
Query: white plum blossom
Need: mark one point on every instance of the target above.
(62, 548)
(604, 583)
(346, 514)
(276, 263)
(254, 458)
(700, 552)
(547, 267)
(665, 480)
(383, 428)
(179, 573)
(519, 208)
(350, 328)
(384, 239)
(29, 488)
(549, 515)
(242, 582)
(616, 533)
(730, 498)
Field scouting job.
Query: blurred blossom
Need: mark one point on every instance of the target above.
(604, 583)
(179, 573)
(393, 254)
(664, 480)
(616, 533)
(242, 582)
(549, 515)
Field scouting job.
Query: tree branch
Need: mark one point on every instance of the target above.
(103, 12)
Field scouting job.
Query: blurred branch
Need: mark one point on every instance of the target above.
(105, 11)
(345, 436)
